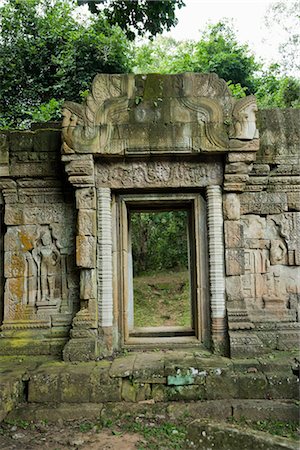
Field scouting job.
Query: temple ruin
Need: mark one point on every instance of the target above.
(159, 141)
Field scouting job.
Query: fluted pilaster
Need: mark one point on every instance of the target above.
(105, 289)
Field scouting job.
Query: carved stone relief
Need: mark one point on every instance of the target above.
(37, 274)
(269, 284)
(157, 174)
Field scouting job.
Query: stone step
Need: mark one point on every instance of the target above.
(205, 435)
(279, 410)
(147, 377)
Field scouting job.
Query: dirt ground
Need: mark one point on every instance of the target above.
(57, 437)
(130, 433)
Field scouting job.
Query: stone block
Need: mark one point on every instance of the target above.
(11, 393)
(86, 198)
(47, 141)
(86, 251)
(221, 385)
(129, 391)
(251, 385)
(208, 435)
(263, 202)
(122, 367)
(55, 412)
(103, 387)
(86, 222)
(13, 215)
(75, 383)
(4, 149)
(231, 206)
(237, 168)
(148, 368)
(186, 393)
(178, 361)
(282, 386)
(135, 392)
(219, 409)
(233, 234)
(4, 170)
(20, 141)
(240, 157)
(88, 284)
(234, 289)
(265, 409)
(254, 227)
(159, 392)
(293, 199)
(44, 385)
(235, 262)
(82, 349)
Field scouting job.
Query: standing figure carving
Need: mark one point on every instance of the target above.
(47, 258)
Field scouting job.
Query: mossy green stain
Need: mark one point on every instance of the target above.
(180, 380)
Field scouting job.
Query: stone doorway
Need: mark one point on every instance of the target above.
(137, 138)
(197, 330)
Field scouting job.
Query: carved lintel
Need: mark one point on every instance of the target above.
(158, 174)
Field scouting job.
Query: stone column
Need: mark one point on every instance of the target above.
(84, 343)
(104, 268)
(216, 268)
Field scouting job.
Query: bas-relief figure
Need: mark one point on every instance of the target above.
(45, 286)
(272, 279)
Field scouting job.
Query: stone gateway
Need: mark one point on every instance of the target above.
(141, 142)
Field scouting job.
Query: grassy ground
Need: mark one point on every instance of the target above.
(162, 300)
(125, 432)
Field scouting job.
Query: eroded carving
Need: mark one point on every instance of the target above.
(157, 174)
(245, 119)
(80, 127)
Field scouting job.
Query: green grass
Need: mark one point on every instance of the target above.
(290, 430)
(158, 436)
(162, 300)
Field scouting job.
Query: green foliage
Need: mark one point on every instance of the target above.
(217, 51)
(139, 17)
(45, 54)
(159, 240)
(237, 90)
(274, 90)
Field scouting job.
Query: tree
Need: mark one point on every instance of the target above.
(275, 90)
(217, 51)
(159, 240)
(284, 19)
(46, 56)
(138, 17)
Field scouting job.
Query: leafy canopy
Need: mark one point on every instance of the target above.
(138, 17)
(217, 51)
(45, 53)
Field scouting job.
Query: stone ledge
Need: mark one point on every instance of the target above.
(158, 377)
(212, 409)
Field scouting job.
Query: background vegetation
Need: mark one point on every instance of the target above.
(50, 51)
(159, 241)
